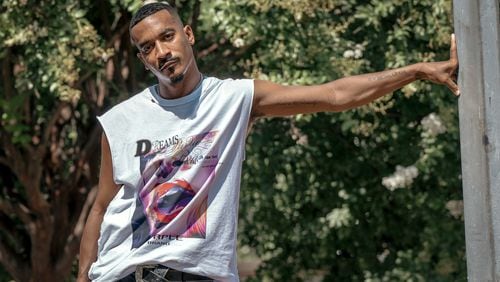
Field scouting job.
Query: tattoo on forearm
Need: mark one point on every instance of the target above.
(388, 75)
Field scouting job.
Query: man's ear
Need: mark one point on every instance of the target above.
(189, 34)
(139, 55)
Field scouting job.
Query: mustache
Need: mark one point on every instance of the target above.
(163, 62)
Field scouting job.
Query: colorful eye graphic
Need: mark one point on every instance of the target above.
(169, 200)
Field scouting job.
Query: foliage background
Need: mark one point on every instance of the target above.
(369, 194)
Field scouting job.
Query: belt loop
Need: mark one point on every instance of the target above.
(139, 271)
(138, 274)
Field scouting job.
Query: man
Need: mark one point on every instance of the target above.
(171, 156)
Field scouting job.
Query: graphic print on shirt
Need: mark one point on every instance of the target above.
(173, 193)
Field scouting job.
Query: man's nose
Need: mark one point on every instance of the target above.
(163, 52)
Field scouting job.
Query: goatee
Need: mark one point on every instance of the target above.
(177, 79)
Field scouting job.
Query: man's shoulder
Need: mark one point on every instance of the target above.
(219, 80)
(139, 97)
(131, 103)
(234, 84)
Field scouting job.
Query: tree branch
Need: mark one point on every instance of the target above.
(117, 35)
(6, 228)
(89, 148)
(103, 10)
(14, 158)
(7, 77)
(83, 78)
(63, 265)
(18, 209)
(195, 16)
(66, 241)
(44, 144)
(13, 263)
(90, 96)
(210, 49)
(121, 47)
(28, 170)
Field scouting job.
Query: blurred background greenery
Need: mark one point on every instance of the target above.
(372, 194)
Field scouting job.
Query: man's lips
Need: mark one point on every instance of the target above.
(168, 64)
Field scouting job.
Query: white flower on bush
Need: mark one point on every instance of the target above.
(381, 257)
(339, 217)
(357, 53)
(402, 178)
(433, 124)
(239, 42)
(455, 207)
(348, 54)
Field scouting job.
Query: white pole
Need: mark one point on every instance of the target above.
(477, 30)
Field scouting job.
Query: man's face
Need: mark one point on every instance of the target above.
(164, 46)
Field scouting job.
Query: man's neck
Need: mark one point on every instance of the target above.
(170, 90)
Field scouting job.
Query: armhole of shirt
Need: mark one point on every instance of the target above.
(112, 145)
(250, 94)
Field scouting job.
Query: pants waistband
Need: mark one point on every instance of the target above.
(160, 273)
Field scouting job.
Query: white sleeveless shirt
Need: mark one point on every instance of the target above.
(179, 166)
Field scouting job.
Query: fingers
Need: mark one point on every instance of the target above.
(453, 49)
(453, 86)
(451, 82)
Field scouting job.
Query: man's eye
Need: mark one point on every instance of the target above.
(168, 36)
(146, 49)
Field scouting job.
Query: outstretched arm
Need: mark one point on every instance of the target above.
(107, 190)
(271, 99)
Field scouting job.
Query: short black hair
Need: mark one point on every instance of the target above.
(149, 9)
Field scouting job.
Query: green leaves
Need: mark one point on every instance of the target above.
(321, 176)
(50, 50)
(313, 200)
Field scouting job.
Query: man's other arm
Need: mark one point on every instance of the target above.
(107, 189)
(271, 99)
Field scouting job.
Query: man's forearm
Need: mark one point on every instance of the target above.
(88, 245)
(353, 91)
